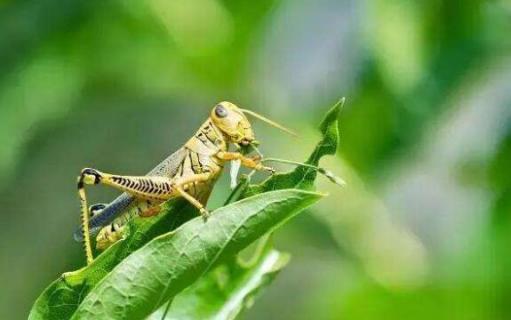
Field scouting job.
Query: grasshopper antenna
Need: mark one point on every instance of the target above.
(256, 149)
(270, 122)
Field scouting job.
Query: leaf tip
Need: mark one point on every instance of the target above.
(332, 115)
(340, 103)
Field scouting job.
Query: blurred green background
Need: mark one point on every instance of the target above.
(421, 231)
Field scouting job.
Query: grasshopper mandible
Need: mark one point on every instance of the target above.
(190, 173)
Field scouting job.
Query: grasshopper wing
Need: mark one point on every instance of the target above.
(117, 207)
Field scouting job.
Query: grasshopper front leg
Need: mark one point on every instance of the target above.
(143, 187)
(245, 161)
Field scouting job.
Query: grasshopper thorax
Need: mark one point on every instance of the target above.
(234, 125)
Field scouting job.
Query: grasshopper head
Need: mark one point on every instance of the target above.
(233, 123)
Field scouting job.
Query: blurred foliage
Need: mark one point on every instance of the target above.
(425, 133)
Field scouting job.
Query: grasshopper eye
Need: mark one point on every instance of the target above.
(220, 111)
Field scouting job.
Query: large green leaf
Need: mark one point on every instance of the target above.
(169, 263)
(61, 298)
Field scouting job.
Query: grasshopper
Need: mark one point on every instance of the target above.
(190, 173)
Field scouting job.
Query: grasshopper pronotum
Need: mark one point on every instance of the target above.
(189, 173)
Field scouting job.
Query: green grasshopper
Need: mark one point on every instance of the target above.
(190, 173)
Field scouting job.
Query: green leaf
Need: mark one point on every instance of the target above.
(228, 290)
(168, 264)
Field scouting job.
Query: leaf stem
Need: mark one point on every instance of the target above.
(167, 308)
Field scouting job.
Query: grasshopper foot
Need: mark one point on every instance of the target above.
(261, 167)
(205, 214)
